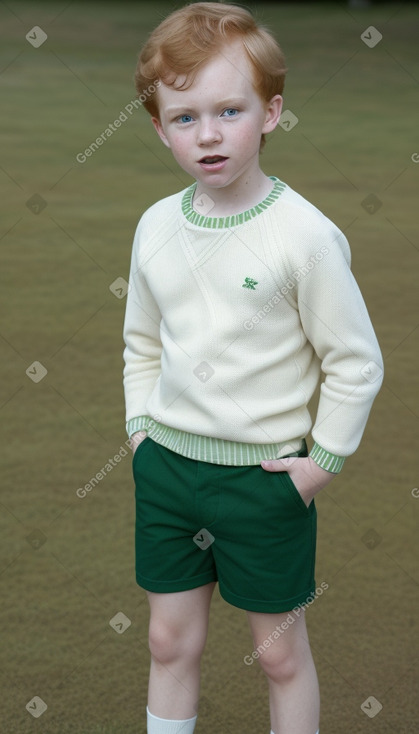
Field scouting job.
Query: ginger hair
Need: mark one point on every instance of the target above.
(188, 37)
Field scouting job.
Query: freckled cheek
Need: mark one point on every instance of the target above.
(248, 138)
(181, 146)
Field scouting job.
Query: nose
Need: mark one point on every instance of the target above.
(208, 131)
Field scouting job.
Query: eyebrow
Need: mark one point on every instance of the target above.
(229, 102)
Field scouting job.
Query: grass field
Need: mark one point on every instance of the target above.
(67, 564)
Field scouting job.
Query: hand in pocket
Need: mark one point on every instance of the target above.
(136, 439)
(307, 476)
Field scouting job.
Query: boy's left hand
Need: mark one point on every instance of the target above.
(309, 478)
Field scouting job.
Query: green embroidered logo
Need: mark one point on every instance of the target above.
(250, 283)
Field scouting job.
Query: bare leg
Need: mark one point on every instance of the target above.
(177, 636)
(288, 664)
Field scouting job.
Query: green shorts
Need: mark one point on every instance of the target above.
(242, 526)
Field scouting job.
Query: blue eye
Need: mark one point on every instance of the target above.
(230, 112)
(185, 118)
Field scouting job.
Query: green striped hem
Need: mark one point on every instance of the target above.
(213, 450)
(137, 424)
(326, 460)
(234, 219)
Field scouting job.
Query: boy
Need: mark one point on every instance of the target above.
(241, 294)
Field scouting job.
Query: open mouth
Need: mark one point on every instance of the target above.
(208, 160)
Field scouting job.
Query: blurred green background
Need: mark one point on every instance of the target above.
(67, 565)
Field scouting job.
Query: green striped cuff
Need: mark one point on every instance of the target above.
(326, 460)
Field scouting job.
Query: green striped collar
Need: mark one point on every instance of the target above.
(221, 222)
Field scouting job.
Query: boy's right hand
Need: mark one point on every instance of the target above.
(136, 439)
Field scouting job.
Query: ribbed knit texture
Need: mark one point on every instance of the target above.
(234, 219)
(156, 725)
(230, 323)
(213, 450)
(317, 732)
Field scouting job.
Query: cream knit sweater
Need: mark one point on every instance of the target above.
(230, 323)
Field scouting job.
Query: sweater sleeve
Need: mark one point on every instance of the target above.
(143, 347)
(336, 322)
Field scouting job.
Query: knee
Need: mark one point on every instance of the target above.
(280, 663)
(169, 642)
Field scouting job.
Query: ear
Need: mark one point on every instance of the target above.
(158, 127)
(273, 113)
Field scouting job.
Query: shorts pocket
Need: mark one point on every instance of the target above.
(294, 493)
(139, 450)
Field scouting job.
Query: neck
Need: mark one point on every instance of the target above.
(239, 195)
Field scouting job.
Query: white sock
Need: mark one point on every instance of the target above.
(169, 726)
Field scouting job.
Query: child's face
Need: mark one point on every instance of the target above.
(214, 127)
